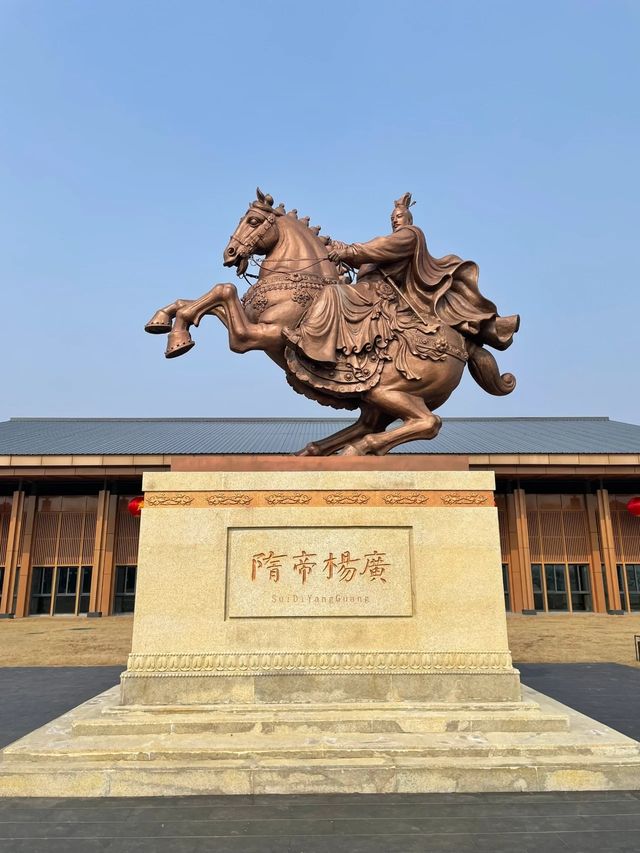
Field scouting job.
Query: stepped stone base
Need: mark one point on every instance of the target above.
(103, 749)
(322, 631)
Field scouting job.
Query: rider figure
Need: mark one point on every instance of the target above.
(445, 287)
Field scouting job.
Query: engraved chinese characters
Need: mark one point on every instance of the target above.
(344, 567)
(319, 571)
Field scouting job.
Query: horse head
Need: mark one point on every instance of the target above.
(264, 227)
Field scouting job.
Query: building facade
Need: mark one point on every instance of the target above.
(68, 545)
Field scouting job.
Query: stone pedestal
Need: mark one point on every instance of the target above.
(318, 586)
(319, 631)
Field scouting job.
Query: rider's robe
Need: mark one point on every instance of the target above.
(352, 319)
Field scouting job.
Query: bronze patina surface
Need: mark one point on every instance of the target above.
(392, 343)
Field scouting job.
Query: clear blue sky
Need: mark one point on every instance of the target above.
(133, 134)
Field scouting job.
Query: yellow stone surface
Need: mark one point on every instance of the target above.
(227, 692)
(293, 588)
(319, 572)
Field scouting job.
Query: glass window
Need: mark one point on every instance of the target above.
(16, 581)
(621, 587)
(538, 592)
(66, 590)
(1, 581)
(554, 575)
(85, 589)
(580, 587)
(505, 584)
(41, 589)
(633, 585)
(125, 593)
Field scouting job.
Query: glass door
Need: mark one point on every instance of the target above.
(554, 575)
(85, 589)
(41, 588)
(66, 591)
(125, 592)
(633, 585)
(579, 586)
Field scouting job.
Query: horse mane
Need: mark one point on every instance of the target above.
(264, 202)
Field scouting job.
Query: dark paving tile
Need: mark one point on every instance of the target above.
(301, 844)
(608, 692)
(588, 841)
(32, 696)
(88, 845)
(564, 822)
(377, 810)
(165, 828)
(518, 842)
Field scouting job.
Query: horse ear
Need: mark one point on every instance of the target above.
(259, 194)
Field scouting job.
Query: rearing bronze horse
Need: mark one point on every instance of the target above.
(368, 345)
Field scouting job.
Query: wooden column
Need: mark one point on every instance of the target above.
(597, 586)
(608, 549)
(515, 579)
(98, 552)
(521, 558)
(24, 558)
(13, 556)
(104, 594)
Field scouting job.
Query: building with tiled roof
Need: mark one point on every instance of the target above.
(69, 545)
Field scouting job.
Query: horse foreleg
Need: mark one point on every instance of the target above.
(189, 313)
(222, 301)
(162, 320)
(244, 335)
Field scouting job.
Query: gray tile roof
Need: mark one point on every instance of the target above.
(88, 436)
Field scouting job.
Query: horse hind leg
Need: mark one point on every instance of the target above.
(419, 423)
(370, 420)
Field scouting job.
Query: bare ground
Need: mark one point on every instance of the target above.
(59, 641)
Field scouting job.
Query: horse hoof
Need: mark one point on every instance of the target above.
(159, 324)
(351, 450)
(311, 449)
(179, 347)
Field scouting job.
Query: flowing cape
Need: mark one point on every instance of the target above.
(446, 287)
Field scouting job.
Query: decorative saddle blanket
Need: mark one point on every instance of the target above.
(348, 333)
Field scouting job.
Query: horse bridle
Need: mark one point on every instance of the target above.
(249, 245)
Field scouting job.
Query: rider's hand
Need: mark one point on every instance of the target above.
(337, 251)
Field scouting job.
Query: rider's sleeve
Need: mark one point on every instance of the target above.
(394, 247)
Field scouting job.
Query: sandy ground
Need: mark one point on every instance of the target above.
(59, 641)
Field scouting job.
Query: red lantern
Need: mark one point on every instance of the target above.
(634, 506)
(135, 505)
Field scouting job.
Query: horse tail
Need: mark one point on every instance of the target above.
(484, 369)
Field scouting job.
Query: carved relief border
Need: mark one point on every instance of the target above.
(271, 663)
(334, 498)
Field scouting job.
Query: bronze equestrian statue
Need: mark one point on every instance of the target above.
(393, 343)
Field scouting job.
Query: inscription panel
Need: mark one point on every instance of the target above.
(319, 571)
